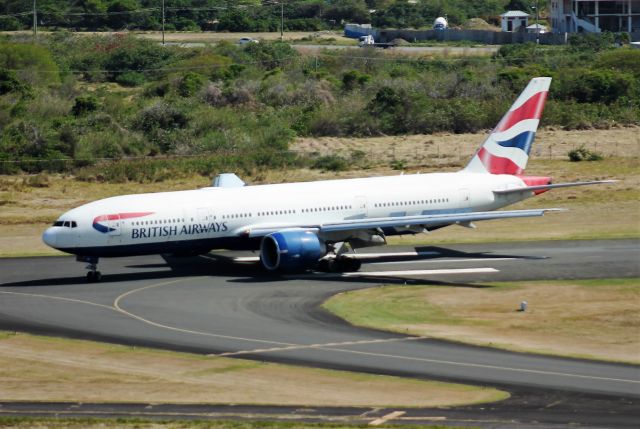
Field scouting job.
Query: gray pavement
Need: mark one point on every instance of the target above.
(214, 305)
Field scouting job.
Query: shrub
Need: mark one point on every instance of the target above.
(214, 96)
(35, 63)
(9, 23)
(129, 54)
(584, 154)
(398, 164)
(326, 123)
(468, 116)
(353, 78)
(243, 92)
(594, 86)
(157, 89)
(330, 163)
(189, 84)
(206, 63)
(10, 83)
(85, 104)
(581, 42)
(131, 78)
(185, 24)
(160, 115)
(271, 55)
(517, 54)
(624, 60)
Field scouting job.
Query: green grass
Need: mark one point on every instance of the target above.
(81, 423)
(385, 307)
(603, 313)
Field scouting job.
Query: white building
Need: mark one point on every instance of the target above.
(536, 28)
(594, 16)
(514, 19)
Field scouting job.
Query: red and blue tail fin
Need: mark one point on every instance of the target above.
(506, 150)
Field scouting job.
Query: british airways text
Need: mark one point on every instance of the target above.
(168, 231)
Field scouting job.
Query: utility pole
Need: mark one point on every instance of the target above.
(537, 25)
(281, 20)
(35, 20)
(162, 22)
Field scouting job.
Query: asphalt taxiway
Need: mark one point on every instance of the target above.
(224, 305)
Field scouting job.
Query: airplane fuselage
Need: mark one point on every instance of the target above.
(196, 221)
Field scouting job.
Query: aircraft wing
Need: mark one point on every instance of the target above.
(550, 186)
(399, 221)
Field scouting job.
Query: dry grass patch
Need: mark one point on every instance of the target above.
(597, 319)
(582, 221)
(197, 37)
(29, 202)
(447, 149)
(84, 371)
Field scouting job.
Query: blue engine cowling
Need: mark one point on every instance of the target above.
(291, 250)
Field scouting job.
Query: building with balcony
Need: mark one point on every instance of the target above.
(594, 16)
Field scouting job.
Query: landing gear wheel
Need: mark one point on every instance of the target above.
(346, 264)
(327, 265)
(94, 276)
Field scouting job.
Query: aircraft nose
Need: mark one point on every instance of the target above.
(49, 237)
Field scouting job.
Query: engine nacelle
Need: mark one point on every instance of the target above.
(291, 250)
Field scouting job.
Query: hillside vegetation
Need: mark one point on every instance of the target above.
(67, 102)
(247, 15)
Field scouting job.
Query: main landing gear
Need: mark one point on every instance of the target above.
(339, 264)
(93, 275)
(338, 261)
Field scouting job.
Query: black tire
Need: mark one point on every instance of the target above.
(94, 276)
(326, 265)
(346, 264)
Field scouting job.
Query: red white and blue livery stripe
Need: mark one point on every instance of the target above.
(101, 227)
(506, 150)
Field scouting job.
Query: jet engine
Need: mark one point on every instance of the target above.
(291, 250)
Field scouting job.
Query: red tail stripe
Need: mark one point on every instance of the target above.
(536, 181)
(498, 165)
(531, 109)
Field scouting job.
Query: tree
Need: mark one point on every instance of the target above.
(122, 14)
(348, 11)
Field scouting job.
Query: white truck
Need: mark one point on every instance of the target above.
(368, 41)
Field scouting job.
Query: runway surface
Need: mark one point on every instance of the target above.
(222, 305)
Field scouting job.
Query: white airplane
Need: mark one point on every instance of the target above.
(303, 226)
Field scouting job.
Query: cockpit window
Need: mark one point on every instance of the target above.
(66, 223)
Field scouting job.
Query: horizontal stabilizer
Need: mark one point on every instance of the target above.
(550, 186)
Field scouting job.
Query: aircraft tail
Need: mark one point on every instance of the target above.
(506, 150)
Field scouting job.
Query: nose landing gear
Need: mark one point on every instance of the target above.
(93, 275)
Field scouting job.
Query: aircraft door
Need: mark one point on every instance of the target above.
(115, 225)
(360, 206)
(205, 218)
(465, 198)
(204, 215)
